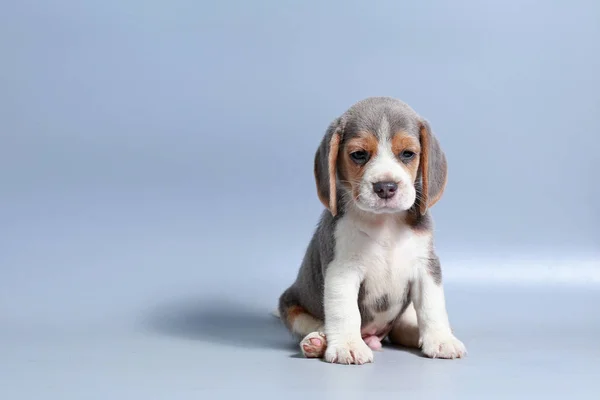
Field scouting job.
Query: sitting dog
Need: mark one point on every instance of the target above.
(370, 270)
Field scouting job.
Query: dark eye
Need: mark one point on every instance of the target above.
(360, 157)
(407, 155)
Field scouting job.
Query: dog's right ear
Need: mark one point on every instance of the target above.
(326, 165)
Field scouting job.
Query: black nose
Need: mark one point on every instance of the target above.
(385, 190)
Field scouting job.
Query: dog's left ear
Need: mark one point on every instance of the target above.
(325, 167)
(433, 169)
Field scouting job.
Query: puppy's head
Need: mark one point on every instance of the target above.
(381, 156)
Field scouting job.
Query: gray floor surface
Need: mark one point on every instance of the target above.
(526, 342)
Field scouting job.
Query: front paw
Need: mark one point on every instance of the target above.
(348, 352)
(442, 345)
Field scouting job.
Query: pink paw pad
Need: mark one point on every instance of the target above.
(314, 345)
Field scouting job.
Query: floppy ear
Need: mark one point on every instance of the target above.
(433, 167)
(326, 166)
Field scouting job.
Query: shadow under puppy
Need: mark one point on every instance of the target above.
(370, 270)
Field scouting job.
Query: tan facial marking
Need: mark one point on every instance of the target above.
(351, 172)
(402, 141)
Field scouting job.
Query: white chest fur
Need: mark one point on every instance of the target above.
(389, 255)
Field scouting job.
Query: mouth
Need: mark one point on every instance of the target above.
(379, 206)
(386, 209)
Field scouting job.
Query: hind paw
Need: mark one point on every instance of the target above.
(313, 345)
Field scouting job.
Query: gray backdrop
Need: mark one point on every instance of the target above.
(152, 150)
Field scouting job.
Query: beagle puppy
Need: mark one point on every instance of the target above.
(370, 271)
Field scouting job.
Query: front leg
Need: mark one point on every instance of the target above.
(427, 293)
(342, 316)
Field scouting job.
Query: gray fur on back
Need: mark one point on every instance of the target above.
(308, 288)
